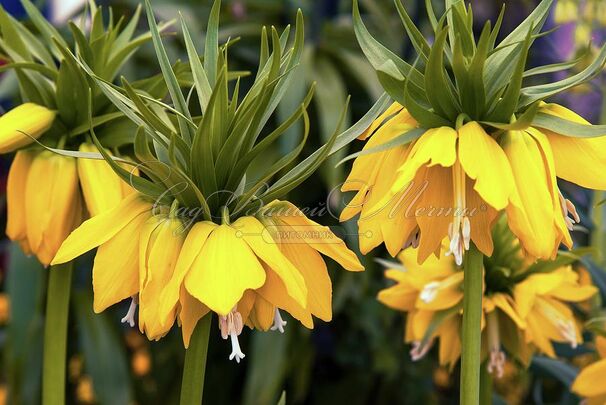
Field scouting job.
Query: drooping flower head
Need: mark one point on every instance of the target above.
(49, 194)
(467, 139)
(526, 306)
(198, 237)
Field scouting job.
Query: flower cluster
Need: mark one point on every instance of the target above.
(525, 307)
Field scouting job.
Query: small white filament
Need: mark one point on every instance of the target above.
(279, 323)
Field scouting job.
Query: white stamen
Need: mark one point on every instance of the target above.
(130, 314)
(420, 349)
(568, 208)
(496, 363)
(236, 352)
(459, 230)
(413, 240)
(279, 323)
(429, 292)
(568, 331)
(231, 326)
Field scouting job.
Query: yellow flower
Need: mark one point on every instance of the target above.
(589, 382)
(520, 313)
(44, 201)
(29, 118)
(453, 183)
(101, 188)
(244, 271)
(566, 11)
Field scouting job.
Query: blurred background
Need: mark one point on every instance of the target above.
(359, 358)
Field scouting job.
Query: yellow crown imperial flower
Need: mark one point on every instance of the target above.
(466, 140)
(248, 269)
(198, 237)
(21, 125)
(48, 196)
(526, 307)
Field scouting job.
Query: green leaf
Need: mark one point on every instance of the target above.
(416, 37)
(303, 170)
(186, 130)
(45, 28)
(408, 135)
(498, 66)
(202, 84)
(377, 54)
(507, 106)
(567, 128)
(211, 45)
(534, 93)
(437, 86)
(552, 68)
(522, 122)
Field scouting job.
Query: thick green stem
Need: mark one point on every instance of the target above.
(55, 334)
(485, 386)
(192, 385)
(472, 333)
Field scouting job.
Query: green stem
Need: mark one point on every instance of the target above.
(485, 386)
(472, 334)
(192, 385)
(55, 334)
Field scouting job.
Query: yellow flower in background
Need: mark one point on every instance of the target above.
(28, 118)
(589, 383)
(245, 271)
(452, 183)
(45, 202)
(566, 11)
(521, 313)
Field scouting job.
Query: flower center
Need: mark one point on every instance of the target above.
(132, 309)
(459, 230)
(231, 326)
(279, 323)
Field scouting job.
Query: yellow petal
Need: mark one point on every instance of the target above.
(262, 314)
(51, 203)
(317, 236)
(481, 219)
(600, 345)
(505, 303)
(101, 187)
(15, 196)
(579, 160)
(434, 213)
(225, 268)
(312, 267)
(274, 291)
(400, 297)
(162, 256)
(484, 161)
(116, 267)
(534, 221)
(98, 230)
(28, 118)
(450, 341)
(435, 147)
(394, 108)
(421, 320)
(194, 241)
(263, 244)
(191, 312)
(590, 381)
(38, 191)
